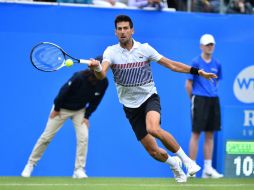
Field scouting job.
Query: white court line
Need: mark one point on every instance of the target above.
(129, 185)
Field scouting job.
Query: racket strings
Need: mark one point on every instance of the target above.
(47, 57)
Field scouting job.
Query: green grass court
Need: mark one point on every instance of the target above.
(67, 183)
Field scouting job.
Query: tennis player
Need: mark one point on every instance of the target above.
(130, 63)
(77, 99)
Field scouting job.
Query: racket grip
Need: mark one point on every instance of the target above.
(84, 61)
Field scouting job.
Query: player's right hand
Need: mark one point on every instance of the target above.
(95, 65)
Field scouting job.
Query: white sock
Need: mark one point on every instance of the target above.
(207, 163)
(171, 161)
(183, 156)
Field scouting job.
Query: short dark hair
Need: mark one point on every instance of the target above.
(123, 18)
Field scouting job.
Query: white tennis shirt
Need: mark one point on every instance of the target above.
(132, 72)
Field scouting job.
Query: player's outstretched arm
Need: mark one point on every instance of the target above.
(183, 68)
(174, 65)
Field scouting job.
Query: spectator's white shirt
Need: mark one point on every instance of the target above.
(132, 72)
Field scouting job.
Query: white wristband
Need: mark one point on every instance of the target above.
(98, 68)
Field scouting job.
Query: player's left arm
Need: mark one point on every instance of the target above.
(183, 68)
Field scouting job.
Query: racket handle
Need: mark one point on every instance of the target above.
(84, 61)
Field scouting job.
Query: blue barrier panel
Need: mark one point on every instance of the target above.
(27, 94)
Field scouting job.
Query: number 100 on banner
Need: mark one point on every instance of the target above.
(239, 161)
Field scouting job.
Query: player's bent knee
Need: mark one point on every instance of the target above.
(154, 131)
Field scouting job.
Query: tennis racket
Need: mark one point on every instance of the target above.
(49, 57)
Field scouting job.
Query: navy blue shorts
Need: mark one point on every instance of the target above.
(206, 114)
(137, 116)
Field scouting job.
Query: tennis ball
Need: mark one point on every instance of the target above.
(68, 62)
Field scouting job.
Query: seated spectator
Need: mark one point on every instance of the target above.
(239, 7)
(157, 4)
(211, 6)
(109, 3)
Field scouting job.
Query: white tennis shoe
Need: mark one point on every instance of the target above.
(192, 168)
(210, 172)
(79, 174)
(180, 176)
(191, 176)
(27, 170)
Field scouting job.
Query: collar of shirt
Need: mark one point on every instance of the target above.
(135, 46)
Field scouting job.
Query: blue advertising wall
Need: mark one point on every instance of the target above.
(27, 94)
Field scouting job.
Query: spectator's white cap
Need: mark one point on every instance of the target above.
(207, 39)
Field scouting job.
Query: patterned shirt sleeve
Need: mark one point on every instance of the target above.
(107, 55)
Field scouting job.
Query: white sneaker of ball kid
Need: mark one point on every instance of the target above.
(192, 168)
(79, 174)
(210, 172)
(180, 176)
(191, 176)
(27, 170)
